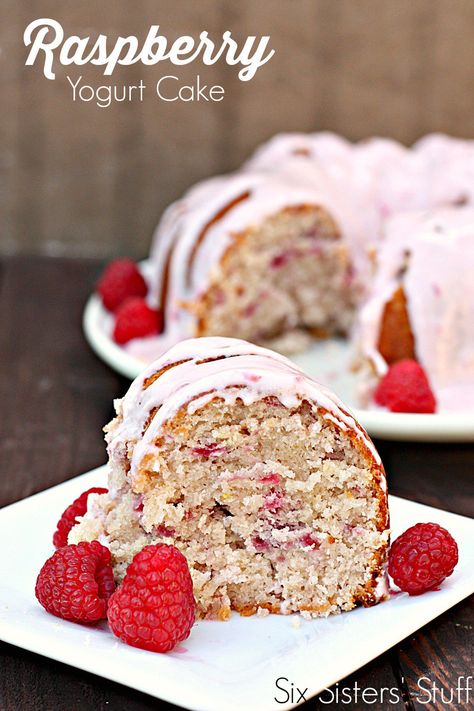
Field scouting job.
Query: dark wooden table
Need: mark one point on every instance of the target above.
(55, 398)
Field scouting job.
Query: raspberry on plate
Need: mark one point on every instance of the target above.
(135, 319)
(120, 281)
(422, 557)
(77, 582)
(70, 515)
(405, 388)
(154, 608)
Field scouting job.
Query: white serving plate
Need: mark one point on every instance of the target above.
(326, 361)
(232, 665)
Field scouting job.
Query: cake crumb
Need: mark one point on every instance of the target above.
(250, 493)
(296, 622)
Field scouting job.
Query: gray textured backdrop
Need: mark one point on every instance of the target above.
(80, 180)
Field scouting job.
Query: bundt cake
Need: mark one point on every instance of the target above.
(260, 476)
(285, 250)
(421, 305)
(281, 249)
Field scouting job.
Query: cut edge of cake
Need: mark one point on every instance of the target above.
(260, 476)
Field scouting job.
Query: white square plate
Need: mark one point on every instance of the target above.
(230, 665)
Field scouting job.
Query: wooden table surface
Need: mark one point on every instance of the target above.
(55, 398)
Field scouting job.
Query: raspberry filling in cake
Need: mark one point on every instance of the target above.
(260, 476)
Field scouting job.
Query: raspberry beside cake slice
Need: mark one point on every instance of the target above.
(260, 476)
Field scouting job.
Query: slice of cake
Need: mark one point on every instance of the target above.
(259, 475)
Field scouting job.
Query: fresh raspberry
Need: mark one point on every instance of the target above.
(120, 281)
(70, 515)
(422, 557)
(135, 319)
(77, 582)
(154, 608)
(405, 388)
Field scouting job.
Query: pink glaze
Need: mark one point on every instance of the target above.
(196, 380)
(437, 171)
(252, 378)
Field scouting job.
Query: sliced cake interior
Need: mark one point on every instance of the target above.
(270, 488)
(260, 256)
(290, 273)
